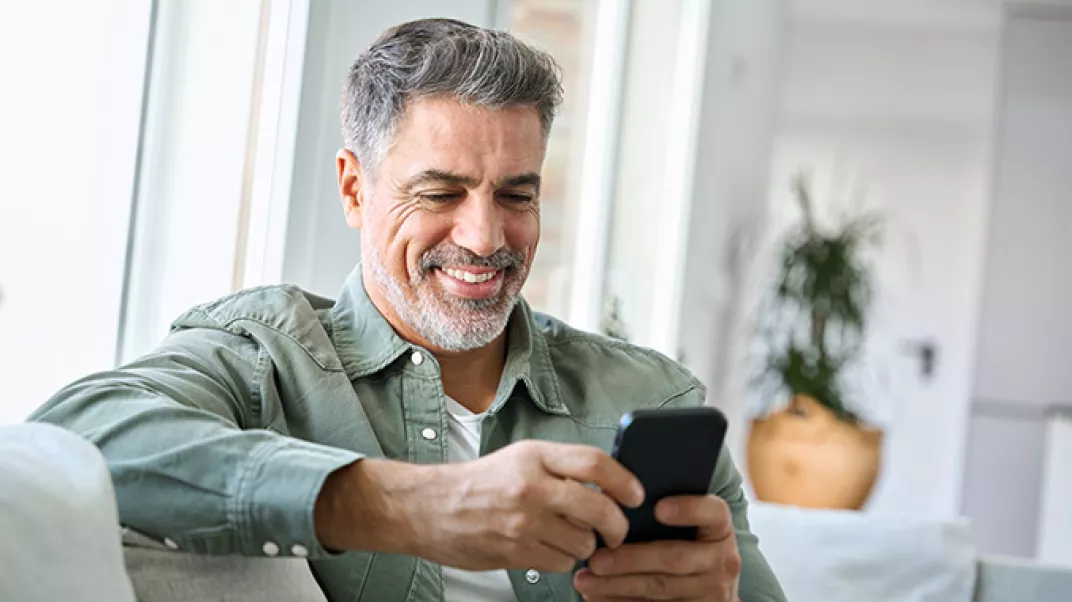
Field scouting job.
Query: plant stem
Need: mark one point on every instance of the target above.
(818, 331)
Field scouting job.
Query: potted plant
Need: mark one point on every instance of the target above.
(814, 449)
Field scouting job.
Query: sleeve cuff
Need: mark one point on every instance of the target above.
(273, 508)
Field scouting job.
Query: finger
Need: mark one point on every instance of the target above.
(591, 508)
(708, 512)
(589, 464)
(622, 599)
(576, 542)
(670, 557)
(654, 586)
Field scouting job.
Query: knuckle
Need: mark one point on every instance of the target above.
(731, 563)
(521, 491)
(658, 585)
(518, 526)
(590, 462)
(527, 449)
(680, 558)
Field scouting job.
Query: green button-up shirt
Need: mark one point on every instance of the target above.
(221, 438)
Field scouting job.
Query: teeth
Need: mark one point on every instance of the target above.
(469, 276)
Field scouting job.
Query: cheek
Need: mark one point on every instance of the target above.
(419, 233)
(523, 232)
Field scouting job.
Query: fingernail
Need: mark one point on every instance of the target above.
(638, 494)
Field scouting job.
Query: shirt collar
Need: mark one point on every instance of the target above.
(366, 344)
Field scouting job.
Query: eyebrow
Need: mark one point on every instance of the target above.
(438, 175)
(525, 179)
(449, 177)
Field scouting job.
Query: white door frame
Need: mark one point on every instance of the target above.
(598, 167)
(272, 143)
(679, 175)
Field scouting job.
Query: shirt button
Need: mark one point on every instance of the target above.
(270, 548)
(532, 576)
(299, 550)
(429, 434)
(416, 358)
(170, 543)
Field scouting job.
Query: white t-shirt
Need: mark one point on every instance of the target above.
(463, 443)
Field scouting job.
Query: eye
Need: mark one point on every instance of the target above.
(439, 198)
(517, 198)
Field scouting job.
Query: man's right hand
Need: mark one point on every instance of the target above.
(524, 506)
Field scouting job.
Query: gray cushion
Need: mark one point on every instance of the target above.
(1015, 580)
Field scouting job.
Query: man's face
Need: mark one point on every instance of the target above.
(450, 221)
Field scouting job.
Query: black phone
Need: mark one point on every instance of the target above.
(673, 452)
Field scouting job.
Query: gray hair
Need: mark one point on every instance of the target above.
(441, 58)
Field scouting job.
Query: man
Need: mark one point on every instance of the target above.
(427, 436)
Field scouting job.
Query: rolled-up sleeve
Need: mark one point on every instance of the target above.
(191, 463)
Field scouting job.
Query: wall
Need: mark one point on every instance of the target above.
(320, 249)
(736, 123)
(901, 106)
(1024, 329)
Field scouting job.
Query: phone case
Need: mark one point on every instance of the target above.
(672, 452)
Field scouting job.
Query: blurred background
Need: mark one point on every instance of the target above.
(158, 154)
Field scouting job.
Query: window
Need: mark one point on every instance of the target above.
(73, 75)
(565, 29)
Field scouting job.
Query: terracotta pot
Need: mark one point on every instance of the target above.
(804, 456)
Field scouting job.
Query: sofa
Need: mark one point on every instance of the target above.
(842, 556)
(60, 540)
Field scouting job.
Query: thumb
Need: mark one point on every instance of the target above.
(708, 513)
(718, 523)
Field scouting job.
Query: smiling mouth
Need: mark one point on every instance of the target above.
(472, 282)
(470, 277)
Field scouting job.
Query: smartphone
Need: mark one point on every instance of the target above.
(672, 452)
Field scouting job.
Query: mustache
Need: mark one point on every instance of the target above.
(451, 254)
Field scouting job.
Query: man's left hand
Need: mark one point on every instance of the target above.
(705, 569)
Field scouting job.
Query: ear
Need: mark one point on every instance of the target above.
(351, 191)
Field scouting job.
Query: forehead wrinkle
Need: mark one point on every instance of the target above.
(438, 175)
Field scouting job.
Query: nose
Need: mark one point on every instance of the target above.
(479, 225)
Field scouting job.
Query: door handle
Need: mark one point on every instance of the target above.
(927, 351)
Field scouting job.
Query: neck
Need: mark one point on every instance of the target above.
(472, 377)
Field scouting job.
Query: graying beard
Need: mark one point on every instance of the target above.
(466, 333)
